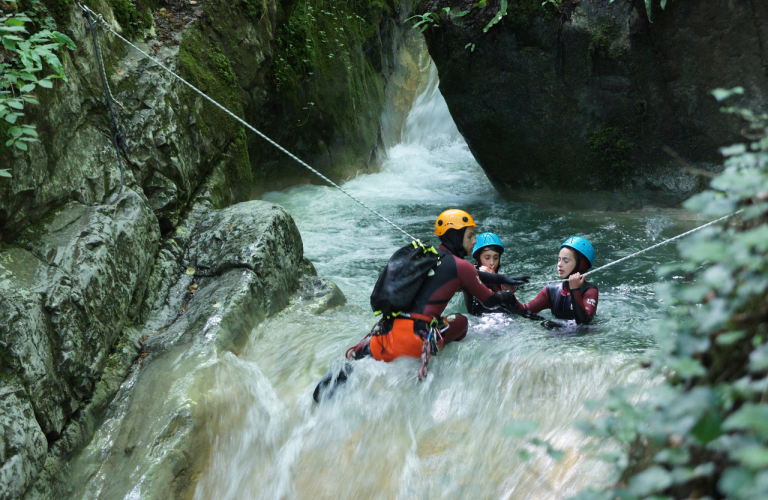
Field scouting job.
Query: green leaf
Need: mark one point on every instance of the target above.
(9, 142)
(519, 428)
(648, 8)
(15, 131)
(754, 456)
(730, 338)
(63, 39)
(8, 43)
(708, 428)
(28, 87)
(687, 367)
(11, 117)
(29, 130)
(12, 29)
(45, 82)
(21, 145)
(15, 103)
(663, 4)
(14, 22)
(652, 479)
(525, 455)
(723, 94)
(4, 173)
(750, 416)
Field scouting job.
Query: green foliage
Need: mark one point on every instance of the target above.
(26, 56)
(703, 433)
(318, 35)
(502, 12)
(603, 38)
(134, 18)
(610, 152)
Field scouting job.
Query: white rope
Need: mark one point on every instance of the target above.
(106, 26)
(670, 240)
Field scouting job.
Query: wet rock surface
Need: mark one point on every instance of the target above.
(67, 291)
(156, 447)
(585, 98)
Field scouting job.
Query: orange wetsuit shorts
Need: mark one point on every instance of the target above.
(400, 341)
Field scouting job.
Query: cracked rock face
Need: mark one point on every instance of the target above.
(65, 295)
(22, 443)
(242, 264)
(586, 101)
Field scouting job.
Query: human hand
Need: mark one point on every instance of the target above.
(486, 269)
(576, 280)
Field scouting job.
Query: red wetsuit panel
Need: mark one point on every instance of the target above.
(453, 274)
(538, 304)
(580, 304)
(587, 300)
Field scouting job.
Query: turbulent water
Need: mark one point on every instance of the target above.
(384, 435)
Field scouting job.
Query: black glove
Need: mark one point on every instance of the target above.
(501, 299)
(491, 279)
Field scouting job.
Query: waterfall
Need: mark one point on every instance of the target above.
(429, 124)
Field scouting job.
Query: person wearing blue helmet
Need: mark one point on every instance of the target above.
(574, 299)
(487, 254)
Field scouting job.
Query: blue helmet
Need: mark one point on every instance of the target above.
(487, 240)
(582, 245)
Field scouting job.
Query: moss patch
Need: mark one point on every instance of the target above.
(603, 43)
(203, 63)
(610, 153)
(134, 17)
(319, 37)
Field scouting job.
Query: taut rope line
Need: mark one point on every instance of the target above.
(669, 240)
(106, 26)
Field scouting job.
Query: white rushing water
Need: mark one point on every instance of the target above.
(384, 435)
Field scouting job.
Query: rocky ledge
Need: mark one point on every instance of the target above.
(92, 327)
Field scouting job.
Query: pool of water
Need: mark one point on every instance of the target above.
(385, 435)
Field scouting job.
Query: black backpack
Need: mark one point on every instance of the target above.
(396, 288)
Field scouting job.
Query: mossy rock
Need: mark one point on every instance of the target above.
(203, 63)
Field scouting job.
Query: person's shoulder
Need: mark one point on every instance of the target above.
(464, 265)
(587, 286)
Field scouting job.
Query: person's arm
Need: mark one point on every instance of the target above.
(584, 305)
(540, 303)
(470, 281)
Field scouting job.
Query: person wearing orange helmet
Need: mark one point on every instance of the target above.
(403, 336)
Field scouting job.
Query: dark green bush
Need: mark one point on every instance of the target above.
(703, 433)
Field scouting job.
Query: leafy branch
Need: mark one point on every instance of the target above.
(23, 58)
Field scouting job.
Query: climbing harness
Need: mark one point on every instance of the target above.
(106, 26)
(119, 140)
(657, 245)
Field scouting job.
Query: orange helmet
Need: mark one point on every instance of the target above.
(453, 219)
